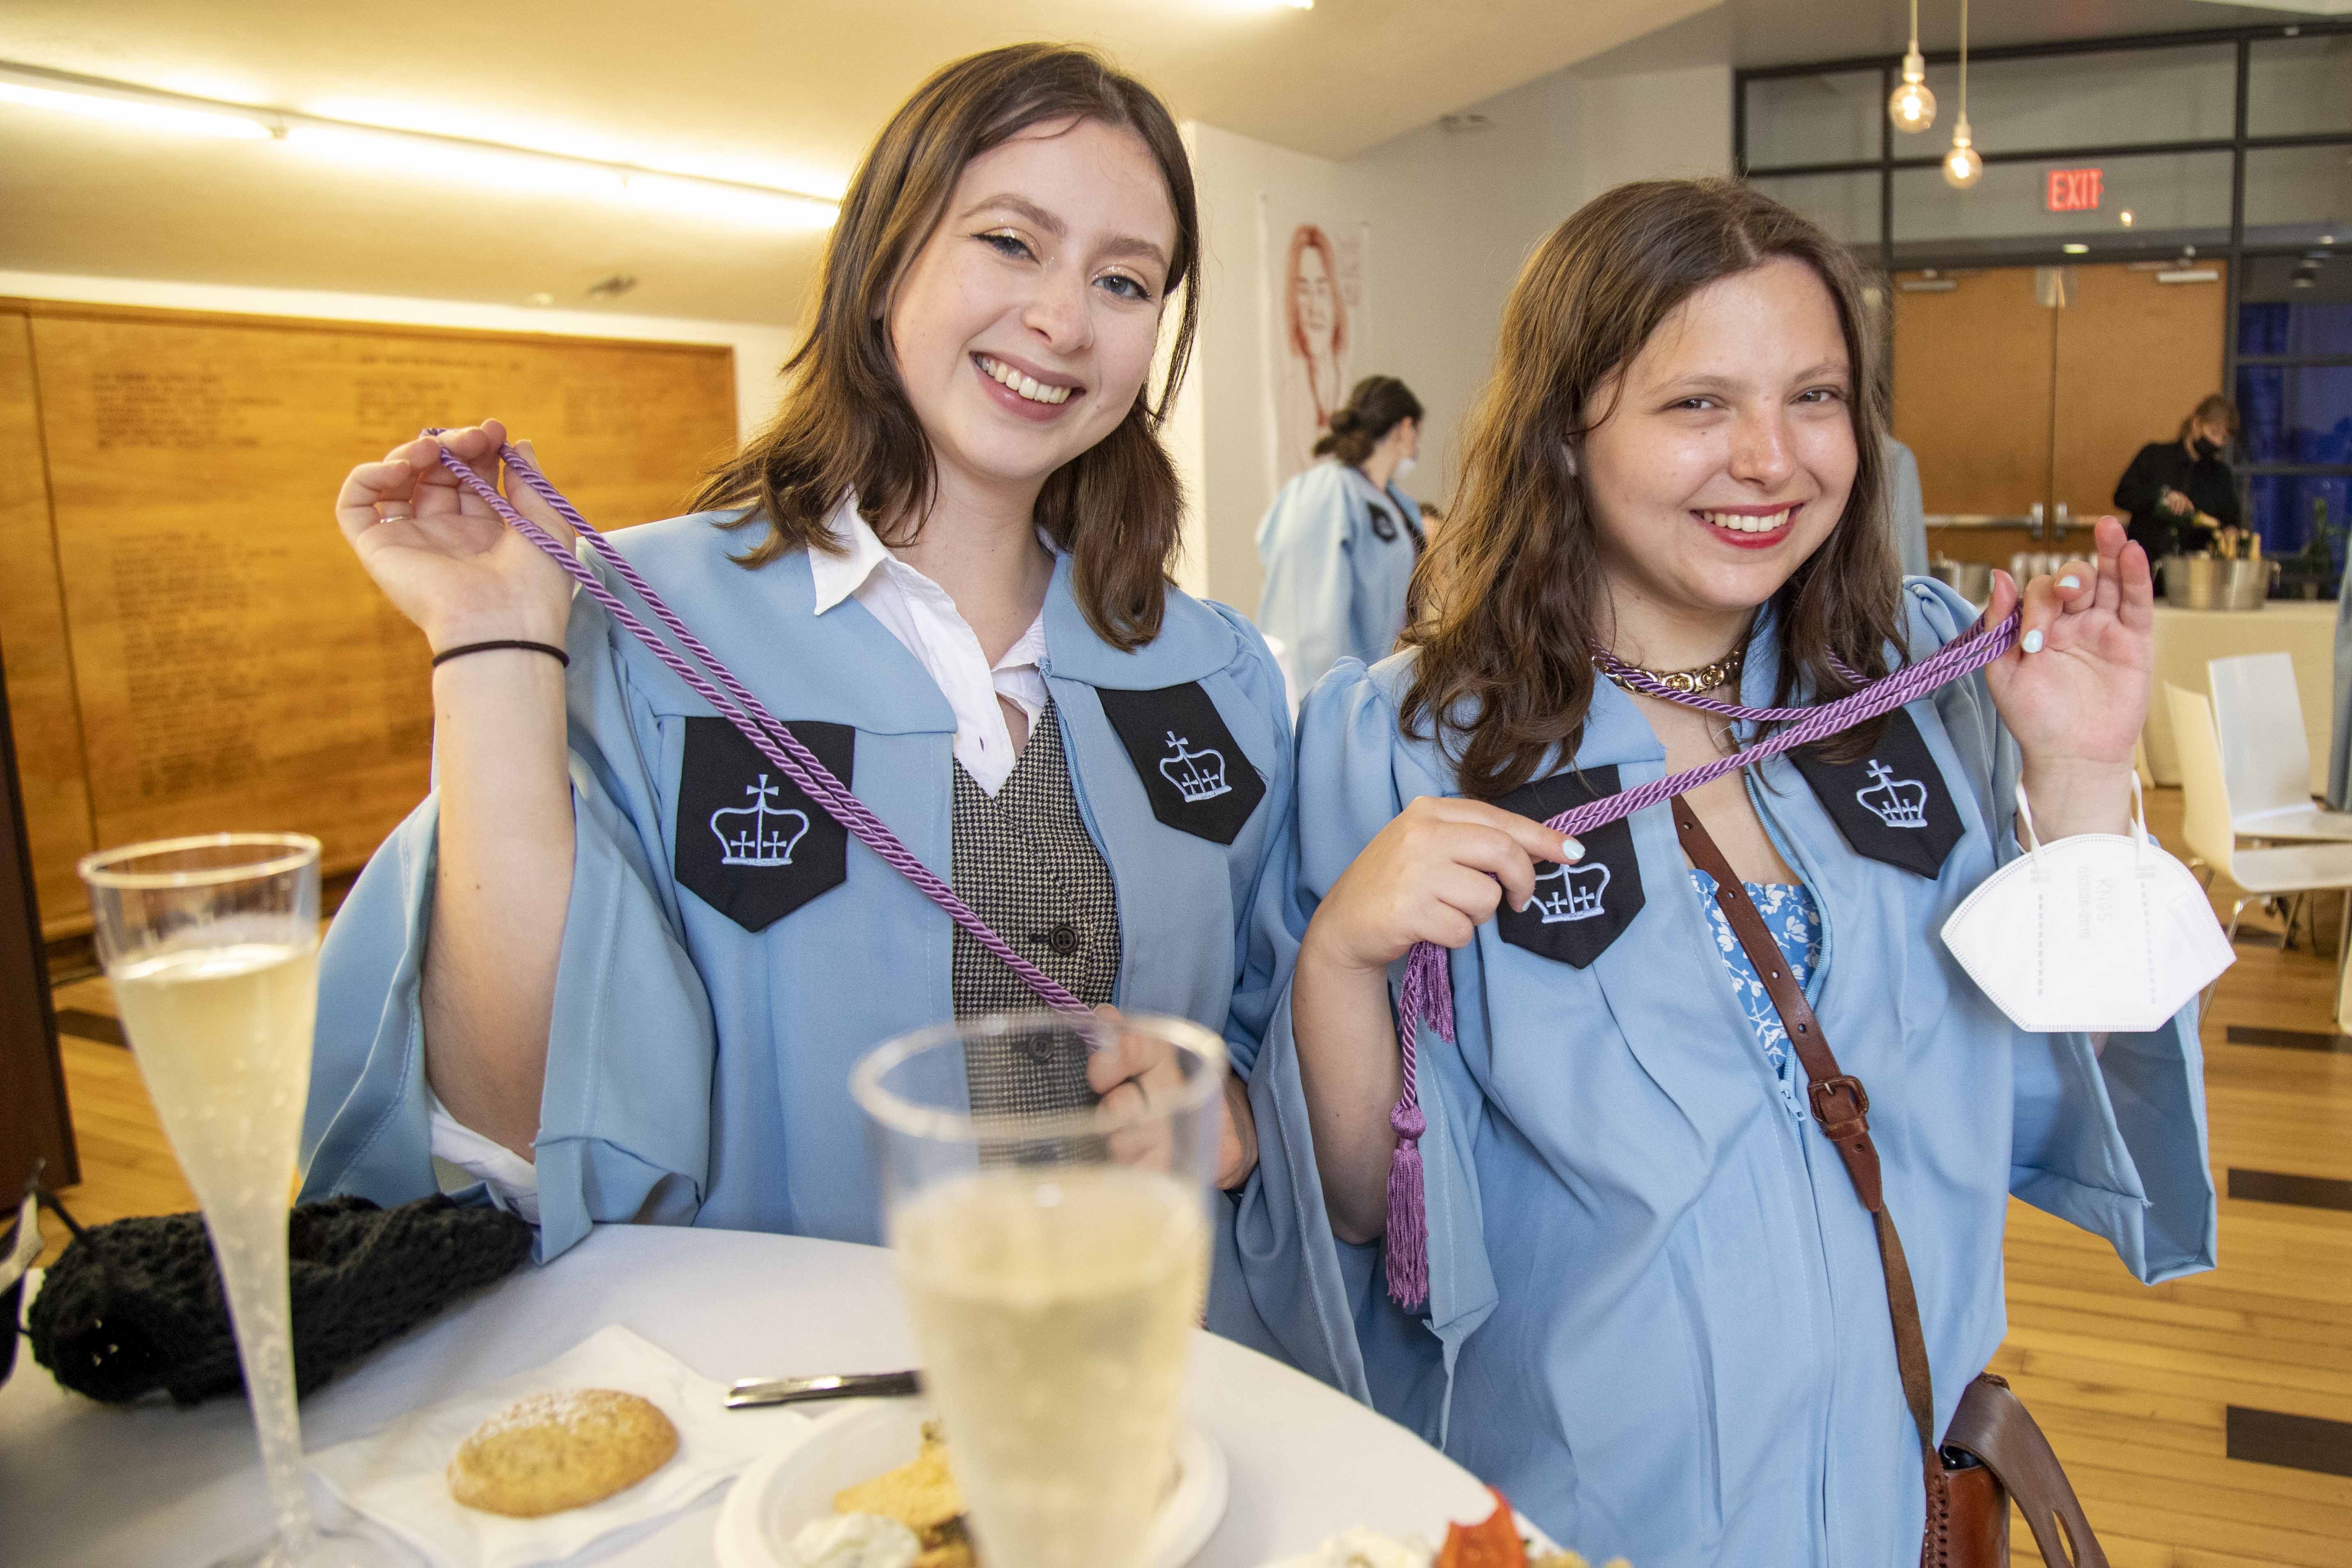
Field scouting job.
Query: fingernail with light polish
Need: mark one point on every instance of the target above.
(1571, 851)
(2032, 642)
(2070, 583)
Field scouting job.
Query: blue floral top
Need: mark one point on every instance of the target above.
(1795, 922)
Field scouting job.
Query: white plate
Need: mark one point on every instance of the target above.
(778, 1494)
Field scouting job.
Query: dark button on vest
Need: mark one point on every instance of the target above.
(1026, 865)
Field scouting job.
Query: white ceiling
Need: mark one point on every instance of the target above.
(779, 93)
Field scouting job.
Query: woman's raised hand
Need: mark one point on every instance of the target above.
(439, 553)
(2075, 690)
(1435, 873)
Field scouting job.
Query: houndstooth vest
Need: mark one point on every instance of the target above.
(1025, 864)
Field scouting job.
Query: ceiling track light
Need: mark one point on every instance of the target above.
(522, 170)
(1911, 106)
(1963, 165)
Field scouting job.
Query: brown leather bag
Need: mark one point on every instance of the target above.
(1993, 1453)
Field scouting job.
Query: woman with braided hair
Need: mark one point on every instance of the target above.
(1341, 540)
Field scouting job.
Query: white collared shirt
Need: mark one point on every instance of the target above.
(918, 613)
(921, 615)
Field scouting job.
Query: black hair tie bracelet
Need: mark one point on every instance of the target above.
(557, 654)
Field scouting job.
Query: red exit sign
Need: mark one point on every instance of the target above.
(2074, 190)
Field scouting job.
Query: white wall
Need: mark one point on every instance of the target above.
(759, 351)
(1454, 214)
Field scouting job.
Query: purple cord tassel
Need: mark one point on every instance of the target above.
(1427, 996)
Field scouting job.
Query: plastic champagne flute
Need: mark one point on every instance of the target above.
(211, 945)
(1054, 1255)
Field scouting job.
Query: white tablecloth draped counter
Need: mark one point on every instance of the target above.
(2186, 639)
(158, 1487)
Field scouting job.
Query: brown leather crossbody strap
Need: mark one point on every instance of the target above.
(1993, 1424)
(1841, 1107)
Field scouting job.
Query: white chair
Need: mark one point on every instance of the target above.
(2212, 839)
(2265, 753)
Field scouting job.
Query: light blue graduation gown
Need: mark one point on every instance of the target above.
(1906, 509)
(1657, 1318)
(1335, 572)
(697, 1071)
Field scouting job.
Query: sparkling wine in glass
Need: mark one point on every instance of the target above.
(211, 945)
(1054, 1253)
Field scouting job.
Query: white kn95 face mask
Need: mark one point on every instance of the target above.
(2100, 933)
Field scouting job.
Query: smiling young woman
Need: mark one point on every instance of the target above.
(1656, 1313)
(638, 965)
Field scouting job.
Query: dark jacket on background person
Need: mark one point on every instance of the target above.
(2208, 483)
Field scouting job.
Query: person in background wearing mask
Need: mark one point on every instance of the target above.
(1340, 541)
(2180, 493)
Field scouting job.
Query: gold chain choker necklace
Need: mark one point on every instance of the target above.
(1723, 672)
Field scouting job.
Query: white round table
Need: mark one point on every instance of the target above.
(160, 1487)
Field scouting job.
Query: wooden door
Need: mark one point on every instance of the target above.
(1972, 390)
(2134, 356)
(52, 780)
(33, 1122)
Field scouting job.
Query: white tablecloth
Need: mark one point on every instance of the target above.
(158, 1487)
(2185, 639)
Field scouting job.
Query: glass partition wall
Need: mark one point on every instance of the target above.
(2187, 197)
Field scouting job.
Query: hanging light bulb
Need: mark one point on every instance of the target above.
(1911, 106)
(1963, 165)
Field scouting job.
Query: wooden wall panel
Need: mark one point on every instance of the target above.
(234, 667)
(1972, 390)
(2134, 356)
(47, 725)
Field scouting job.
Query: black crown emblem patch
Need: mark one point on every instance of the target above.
(1193, 771)
(1578, 910)
(747, 842)
(1892, 807)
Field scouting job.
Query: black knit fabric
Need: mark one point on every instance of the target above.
(137, 1305)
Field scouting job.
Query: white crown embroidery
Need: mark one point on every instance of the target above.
(1898, 802)
(1197, 776)
(1578, 897)
(760, 833)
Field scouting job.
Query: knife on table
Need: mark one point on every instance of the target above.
(751, 1391)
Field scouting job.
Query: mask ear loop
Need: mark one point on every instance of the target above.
(2032, 838)
(2141, 838)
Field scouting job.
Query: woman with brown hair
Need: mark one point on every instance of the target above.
(1647, 1302)
(619, 970)
(1340, 541)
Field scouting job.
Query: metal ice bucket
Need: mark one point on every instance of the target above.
(2204, 583)
(1972, 580)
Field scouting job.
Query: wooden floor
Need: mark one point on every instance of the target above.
(2134, 1385)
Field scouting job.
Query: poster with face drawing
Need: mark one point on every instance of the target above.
(1312, 304)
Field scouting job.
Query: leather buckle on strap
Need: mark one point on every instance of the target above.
(1841, 1105)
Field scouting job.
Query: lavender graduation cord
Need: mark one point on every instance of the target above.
(737, 704)
(1427, 994)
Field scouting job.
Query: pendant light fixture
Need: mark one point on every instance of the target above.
(1963, 166)
(1911, 106)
